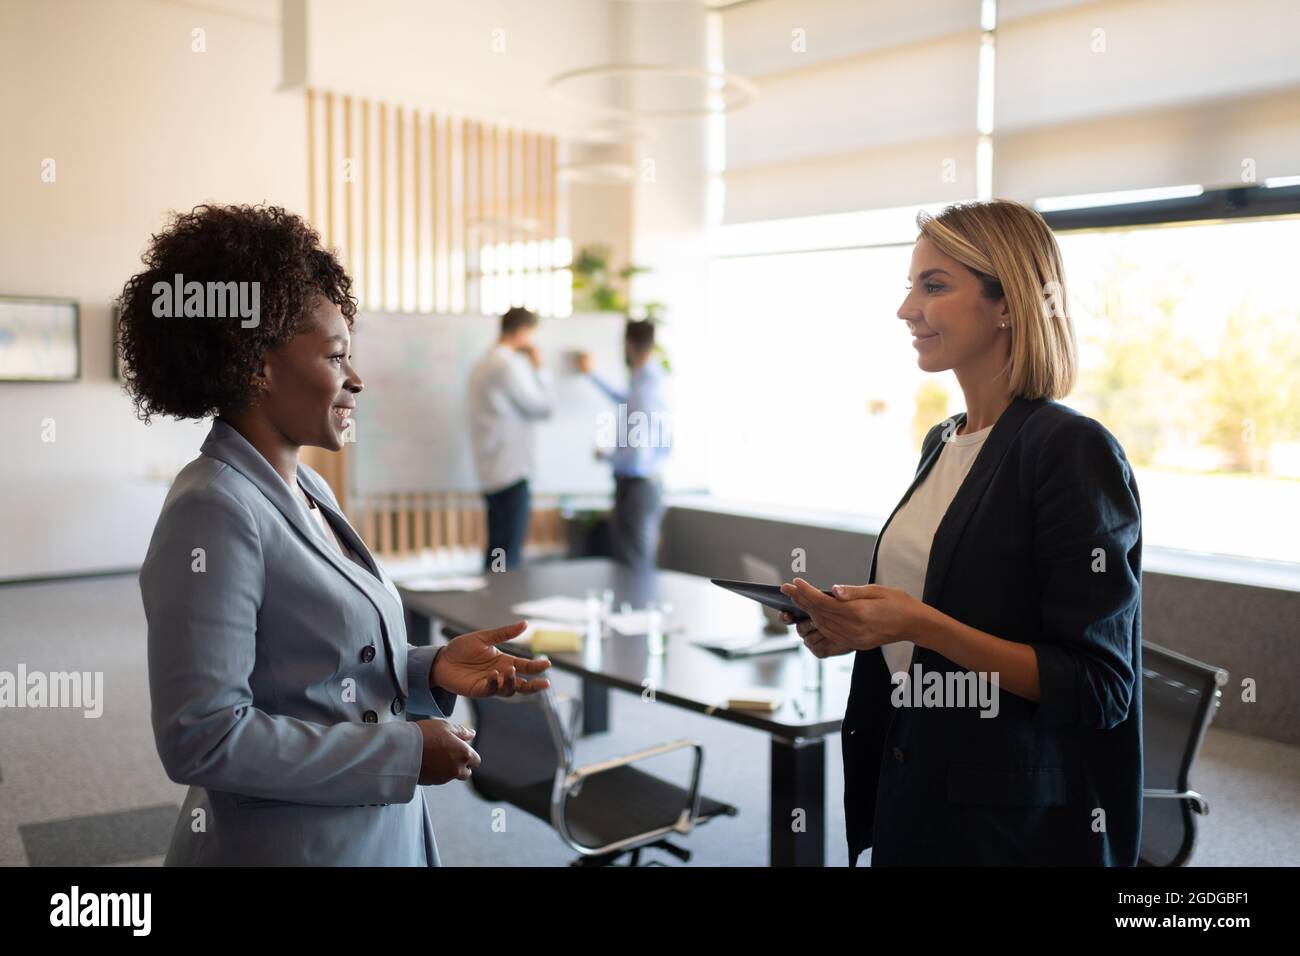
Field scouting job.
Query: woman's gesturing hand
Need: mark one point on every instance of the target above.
(447, 755)
(855, 618)
(472, 666)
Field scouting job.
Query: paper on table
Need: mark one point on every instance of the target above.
(538, 624)
(444, 584)
(756, 698)
(636, 623)
(558, 608)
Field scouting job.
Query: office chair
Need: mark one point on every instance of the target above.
(1180, 696)
(604, 810)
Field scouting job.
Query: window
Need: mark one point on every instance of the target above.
(819, 401)
(535, 274)
(1189, 345)
(1189, 342)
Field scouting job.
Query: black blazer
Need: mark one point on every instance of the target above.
(1018, 554)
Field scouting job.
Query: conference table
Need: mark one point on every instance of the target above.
(684, 675)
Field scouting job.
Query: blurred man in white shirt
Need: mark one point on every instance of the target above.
(508, 391)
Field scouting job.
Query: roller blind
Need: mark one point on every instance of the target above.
(1096, 97)
(861, 105)
(869, 105)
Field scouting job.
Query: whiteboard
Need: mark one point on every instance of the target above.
(412, 422)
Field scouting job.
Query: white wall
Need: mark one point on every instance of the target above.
(486, 57)
(137, 124)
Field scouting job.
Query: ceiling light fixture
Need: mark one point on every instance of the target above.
(726, 92)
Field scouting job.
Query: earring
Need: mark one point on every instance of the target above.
(1002, 325)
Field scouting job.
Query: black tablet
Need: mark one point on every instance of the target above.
(769, 595)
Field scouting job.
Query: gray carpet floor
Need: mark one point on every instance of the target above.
(77, 791)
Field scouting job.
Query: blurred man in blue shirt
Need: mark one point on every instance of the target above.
(636, 444)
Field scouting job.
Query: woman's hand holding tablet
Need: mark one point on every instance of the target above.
(854, 618)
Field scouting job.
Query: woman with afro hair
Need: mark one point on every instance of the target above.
(279, 671)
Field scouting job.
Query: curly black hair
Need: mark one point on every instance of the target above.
(196, 367)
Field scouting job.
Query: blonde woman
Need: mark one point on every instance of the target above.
(995, 713)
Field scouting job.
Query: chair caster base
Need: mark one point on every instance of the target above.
(611, 859)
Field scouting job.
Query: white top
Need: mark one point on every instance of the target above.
(904, 551)
(506, 395)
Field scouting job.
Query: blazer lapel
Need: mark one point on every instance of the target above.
(225, 443)
(955, 519)
(341, 527)
(353, 540)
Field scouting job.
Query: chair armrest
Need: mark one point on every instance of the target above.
(1198, 802)
(575, 714)
(572, 783)
(592, 769)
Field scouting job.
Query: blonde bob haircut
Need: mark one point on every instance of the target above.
(1014, 254)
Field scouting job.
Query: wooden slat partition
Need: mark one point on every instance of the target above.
(485, 180)
(400, 256)
(351, 161)
(411, 524)
(437, 201)
(361, 270)
(465, 200)
(331, 168)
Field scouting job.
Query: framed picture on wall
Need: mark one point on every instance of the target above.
(40, 339)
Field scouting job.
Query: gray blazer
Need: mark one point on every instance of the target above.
(280, 675)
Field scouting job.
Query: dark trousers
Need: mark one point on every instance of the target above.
(507, 522)
(638, 512)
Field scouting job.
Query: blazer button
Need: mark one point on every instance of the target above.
(370, 717)
(899, 756)
(368, 653)
(398, 706)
